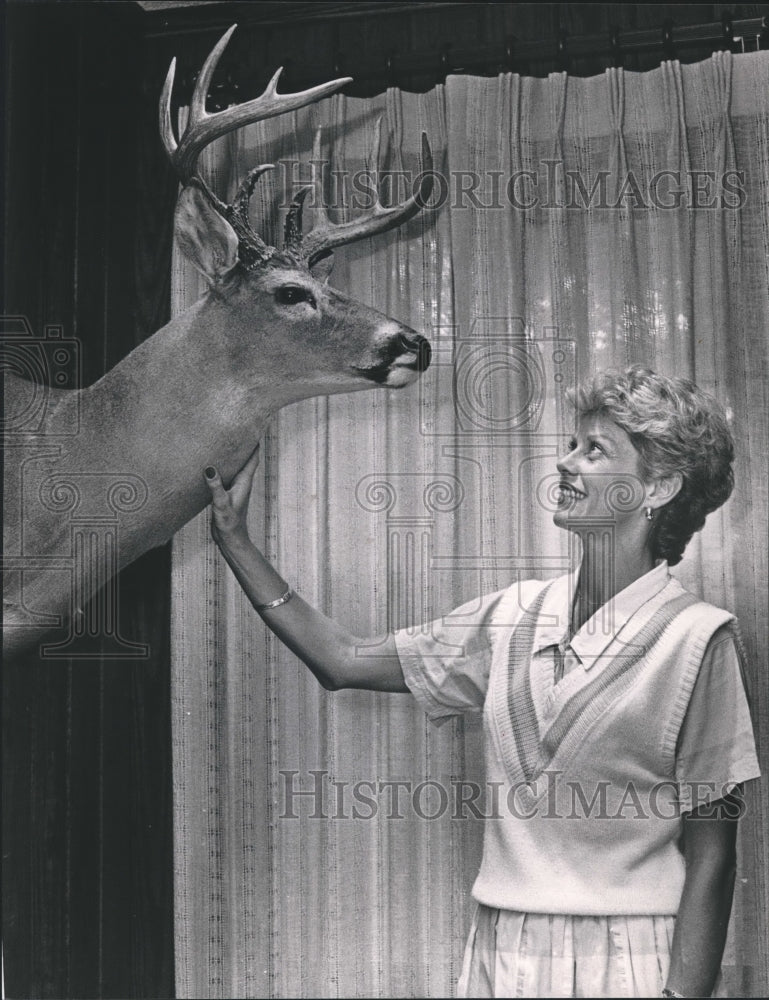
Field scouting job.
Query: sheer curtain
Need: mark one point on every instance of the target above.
(324, 844)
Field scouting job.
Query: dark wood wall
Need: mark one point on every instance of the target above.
(87, 839)
(87, 848)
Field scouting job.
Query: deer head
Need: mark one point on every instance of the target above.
(342, 344)
(269, 331)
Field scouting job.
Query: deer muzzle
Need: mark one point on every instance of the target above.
(401, 359)
(421, 348)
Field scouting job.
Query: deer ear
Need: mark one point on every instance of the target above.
(321, 269)
(204, 237)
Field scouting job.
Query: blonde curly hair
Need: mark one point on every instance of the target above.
(676, 428)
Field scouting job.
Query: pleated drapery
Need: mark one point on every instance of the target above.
(323, 847)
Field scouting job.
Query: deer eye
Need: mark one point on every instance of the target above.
(292, 295)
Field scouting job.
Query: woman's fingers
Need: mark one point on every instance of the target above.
(216, 486)
(236, 497)
(252, 463)
(240, 489)
(244, 479)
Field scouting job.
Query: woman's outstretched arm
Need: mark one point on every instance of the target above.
(336, 657)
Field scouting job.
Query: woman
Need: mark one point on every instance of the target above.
(615, 718)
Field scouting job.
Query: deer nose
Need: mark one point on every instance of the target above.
(421, 346)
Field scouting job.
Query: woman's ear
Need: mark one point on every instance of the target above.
(661, 491)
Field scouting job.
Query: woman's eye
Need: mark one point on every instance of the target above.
(291, 295)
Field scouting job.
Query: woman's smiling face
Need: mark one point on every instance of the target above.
(601, 477)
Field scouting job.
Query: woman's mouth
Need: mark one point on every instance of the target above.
(568, 494)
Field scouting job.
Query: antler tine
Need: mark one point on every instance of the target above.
(292, 233)
(376, 145)
(246, 189)
(326, 235)
(251, 247)
(237, 212)
(316, 166)
(198, 100)
(166, 128)
(203, 128)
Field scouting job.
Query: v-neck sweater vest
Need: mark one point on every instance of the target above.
(586, 818)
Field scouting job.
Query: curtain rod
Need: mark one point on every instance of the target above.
(213, 18)
(510, 55)
(616, 44)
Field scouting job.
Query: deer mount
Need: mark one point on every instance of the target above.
(115, 469)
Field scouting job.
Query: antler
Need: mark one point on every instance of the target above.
(326, 235)
(202, 128)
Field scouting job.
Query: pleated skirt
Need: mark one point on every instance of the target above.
(512, 954)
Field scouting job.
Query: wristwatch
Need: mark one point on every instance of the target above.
(670, 993)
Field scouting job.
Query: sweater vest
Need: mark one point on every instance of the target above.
(585, 815)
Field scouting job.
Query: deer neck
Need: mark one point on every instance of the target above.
(176, 405)
(182, 383)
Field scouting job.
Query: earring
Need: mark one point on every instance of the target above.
(649, 514)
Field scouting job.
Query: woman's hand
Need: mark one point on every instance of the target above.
(230, 507)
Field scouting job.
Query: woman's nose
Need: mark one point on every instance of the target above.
(564, 465)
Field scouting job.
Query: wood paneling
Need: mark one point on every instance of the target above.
(87, 852)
